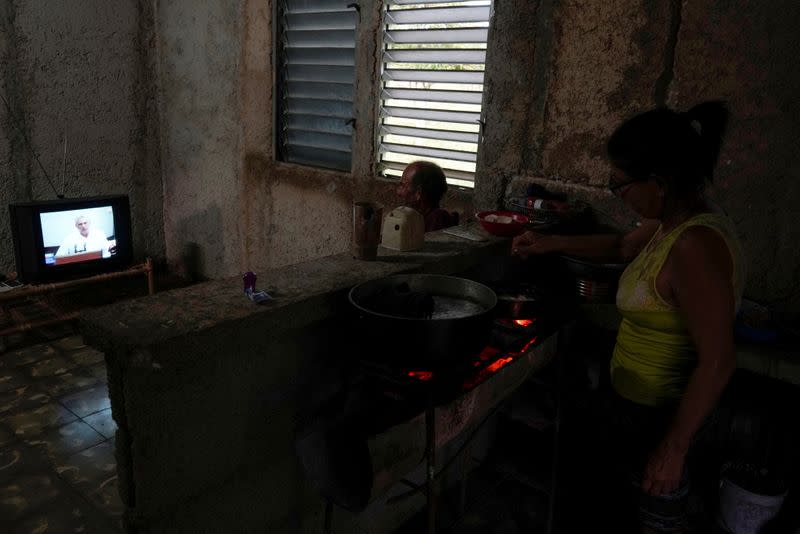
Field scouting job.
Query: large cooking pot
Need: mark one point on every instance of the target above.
(458, 328)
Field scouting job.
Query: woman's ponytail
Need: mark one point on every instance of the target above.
(709, 120)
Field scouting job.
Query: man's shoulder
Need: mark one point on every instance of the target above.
(440, 218)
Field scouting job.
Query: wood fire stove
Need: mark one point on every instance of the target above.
(401, 393)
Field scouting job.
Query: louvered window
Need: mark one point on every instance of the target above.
(433, 63)
(316, 59)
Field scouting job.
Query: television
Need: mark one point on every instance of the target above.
(71, 238)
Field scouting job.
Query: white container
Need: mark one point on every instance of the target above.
(403, 229)
(744, 512)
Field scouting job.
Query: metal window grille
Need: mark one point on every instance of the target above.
(432, 85)
(316, 74)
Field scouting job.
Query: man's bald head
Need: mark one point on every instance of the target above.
(422, 185)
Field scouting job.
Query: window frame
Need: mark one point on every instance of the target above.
(380, 82)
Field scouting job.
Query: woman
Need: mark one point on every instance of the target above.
(674, 352)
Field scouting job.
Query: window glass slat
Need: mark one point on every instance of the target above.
(329, 141)
(429, 133)
(438, 15)
(454, 56)
(321, 56)
(461, 97)
(320, 73)
(317, 6)
(314, 123)
(322, 21)
(322, 108)
(413, 2)
(463, 35)
(316, 38)
(446, 164)
(432, 76)
(435, 115)
(430, 152)
(330, 91)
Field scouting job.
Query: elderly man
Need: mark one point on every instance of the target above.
(422, 187)
(84, 239)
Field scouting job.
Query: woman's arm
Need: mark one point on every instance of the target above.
(700, 269)
(608, 247)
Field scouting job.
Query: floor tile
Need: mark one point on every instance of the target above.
(6, 436)
(99, 372)
(87, 356)
(27, 355)
(33, 422)
(90, 468)
(103, 422)
(107, 497)
(57, 386)
(60, 443)
(49, 367)
(12, 379)
(57, 471)
(70, 343)
(87, 401)
(67, 513)
(59, 517)
(16, 458)
(26, 494)
(21, 399)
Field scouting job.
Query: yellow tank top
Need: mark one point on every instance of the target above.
(654, 354)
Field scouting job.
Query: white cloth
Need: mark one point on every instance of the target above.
(75, 243)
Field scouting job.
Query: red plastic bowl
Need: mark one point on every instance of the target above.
(511, 229)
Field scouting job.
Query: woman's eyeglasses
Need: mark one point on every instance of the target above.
(616, 187)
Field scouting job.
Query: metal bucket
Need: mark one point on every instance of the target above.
(743, 512)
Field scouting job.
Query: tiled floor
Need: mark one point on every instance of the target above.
(57, 466)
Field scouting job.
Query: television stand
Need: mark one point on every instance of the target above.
(22, 325)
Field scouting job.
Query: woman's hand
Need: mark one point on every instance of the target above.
(664, 469)
(530, 243)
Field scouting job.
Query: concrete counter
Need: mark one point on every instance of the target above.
(302, 293)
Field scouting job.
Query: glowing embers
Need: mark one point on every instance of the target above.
(528, 345)
(424, 376)
(480, 369)
(510, 340)
(518, 323)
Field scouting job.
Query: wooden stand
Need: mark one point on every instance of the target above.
(145, 268)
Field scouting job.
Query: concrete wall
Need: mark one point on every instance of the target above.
(138, 85)
(80, 69)
(220, 175)
(560, 76)
(590, 66)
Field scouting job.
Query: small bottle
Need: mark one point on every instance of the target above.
(557, 206)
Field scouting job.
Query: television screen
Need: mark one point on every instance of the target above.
(66, 238)
(77, 235)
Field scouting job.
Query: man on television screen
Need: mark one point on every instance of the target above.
(84, 239)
